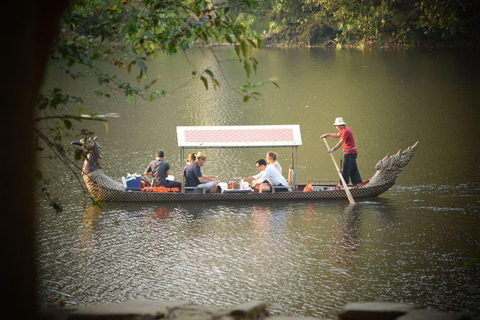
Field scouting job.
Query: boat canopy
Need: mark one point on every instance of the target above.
(239, 136)
(242, 137)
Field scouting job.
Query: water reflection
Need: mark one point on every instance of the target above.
(345, 241)
(86, 230)
(161, 214)
(262, 219)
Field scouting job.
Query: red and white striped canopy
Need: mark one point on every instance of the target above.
(239, 136)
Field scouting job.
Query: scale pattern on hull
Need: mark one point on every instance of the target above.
(102, 189)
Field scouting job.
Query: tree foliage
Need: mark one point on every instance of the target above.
(126, 34)
(365, 22)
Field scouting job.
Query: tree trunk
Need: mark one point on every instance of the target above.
(29, 27)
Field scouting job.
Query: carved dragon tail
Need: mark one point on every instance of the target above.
(389, 167)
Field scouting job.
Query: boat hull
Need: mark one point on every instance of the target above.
(107, 194)
(106, 189)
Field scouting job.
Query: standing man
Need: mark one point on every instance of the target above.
(194, 177)
(269, 172)
(350, 169)
(159, 169)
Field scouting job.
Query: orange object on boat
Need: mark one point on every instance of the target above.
(160, 189)
(308, 187)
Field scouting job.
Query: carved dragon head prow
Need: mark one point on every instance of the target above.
(93, 154)
(389, 167)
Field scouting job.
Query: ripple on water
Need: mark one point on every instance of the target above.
(301, 258)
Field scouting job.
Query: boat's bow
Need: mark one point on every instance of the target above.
(95, 179)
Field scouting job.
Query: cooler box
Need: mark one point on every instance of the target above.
(134, 182)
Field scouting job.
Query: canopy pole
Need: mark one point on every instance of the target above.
(182, 154)
(292, 158)
(295, 175)
(292, 173)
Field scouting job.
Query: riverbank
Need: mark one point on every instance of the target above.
(150, 309)
(369, 45)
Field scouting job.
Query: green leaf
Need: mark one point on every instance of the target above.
(205, 82)
(248, 68)
(231, 38)
(129, 67)
(243, 45)
(259, 43)
(237, 50)
(210, 73)
(68, 124)
(38, 174)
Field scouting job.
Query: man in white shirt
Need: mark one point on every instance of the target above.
(267, 172)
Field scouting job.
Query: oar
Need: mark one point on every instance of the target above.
(347, 191)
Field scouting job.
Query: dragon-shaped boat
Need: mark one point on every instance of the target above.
(104, 188)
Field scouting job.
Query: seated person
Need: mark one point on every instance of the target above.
(267, 172)
(272, 161)
(194, 177)
(255, 178)
(191, 158)
(159, 169)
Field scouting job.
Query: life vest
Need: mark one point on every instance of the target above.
(308, 187)
(160, 189)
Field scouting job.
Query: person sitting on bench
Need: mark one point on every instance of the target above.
(159, 169)
(195, 178)
(274, 177)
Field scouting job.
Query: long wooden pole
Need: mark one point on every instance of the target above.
(347, 191)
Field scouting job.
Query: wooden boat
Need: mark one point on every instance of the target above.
(104, 188)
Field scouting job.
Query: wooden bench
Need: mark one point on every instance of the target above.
(195, 189)
(281, 187)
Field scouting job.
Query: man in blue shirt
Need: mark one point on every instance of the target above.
(195, 178)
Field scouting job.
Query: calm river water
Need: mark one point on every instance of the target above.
(304, 258)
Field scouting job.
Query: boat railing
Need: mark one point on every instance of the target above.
(322, 182)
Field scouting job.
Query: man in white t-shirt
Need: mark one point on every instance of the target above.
(267, 172)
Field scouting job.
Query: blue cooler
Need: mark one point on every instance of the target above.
(134, 182)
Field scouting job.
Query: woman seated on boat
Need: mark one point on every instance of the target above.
(195, 178)
(272, 161)
(191, 158)
(267, 172)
